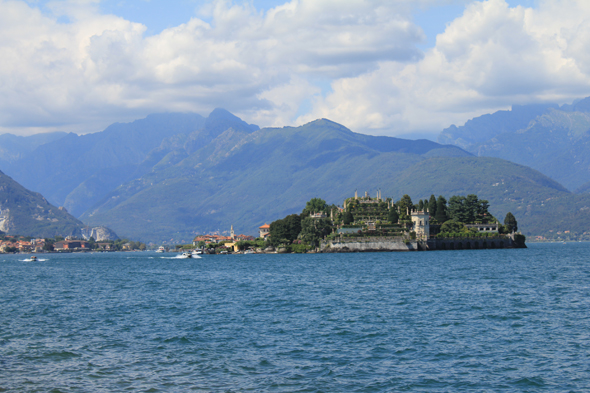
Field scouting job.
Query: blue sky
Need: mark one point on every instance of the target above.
(375, 66)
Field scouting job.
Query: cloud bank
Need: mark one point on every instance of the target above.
(272, 68)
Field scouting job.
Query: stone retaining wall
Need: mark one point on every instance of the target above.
(469, 244)
(370, 245)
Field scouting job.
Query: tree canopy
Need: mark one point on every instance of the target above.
(285, 230)
(510, 223)
(393, 216)
(315, 205)
(468, 209)
(441, 209)
(347, 218)
(313, 230)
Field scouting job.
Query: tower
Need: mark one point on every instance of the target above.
(231, 233)
(420, 224)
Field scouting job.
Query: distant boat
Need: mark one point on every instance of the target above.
(197, 253)
(33, 258)
(184, 255)
(161, 249)
(249, 252)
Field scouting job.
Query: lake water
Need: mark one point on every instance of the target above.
(481, 320)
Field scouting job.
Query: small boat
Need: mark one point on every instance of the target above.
(185, 255)
(161, 249)
(33, 258)
(197, 252)
(249, 252)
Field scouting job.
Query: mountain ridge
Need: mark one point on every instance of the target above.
(552, 139)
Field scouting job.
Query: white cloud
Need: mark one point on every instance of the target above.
(97, 69)
(101, 68)
(487, 59)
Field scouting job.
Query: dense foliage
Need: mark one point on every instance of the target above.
(469, 210)
(286, 230)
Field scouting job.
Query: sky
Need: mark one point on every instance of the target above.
(383, 67)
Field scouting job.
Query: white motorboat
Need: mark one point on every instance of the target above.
(161, 249)
(184, 255)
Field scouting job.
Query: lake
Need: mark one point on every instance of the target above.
(472, 320)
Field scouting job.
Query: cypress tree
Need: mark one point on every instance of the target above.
(347, 218)
(510, 223)
(432, 206)
(441, 209)
(393, 216)
(420, 205)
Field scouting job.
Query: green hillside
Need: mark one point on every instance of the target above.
(76, 171)
(28, 213)
(551, 139)
(247, 179)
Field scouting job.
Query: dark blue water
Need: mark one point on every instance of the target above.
(488, 320)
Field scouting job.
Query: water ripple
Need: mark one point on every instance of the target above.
(489, 320)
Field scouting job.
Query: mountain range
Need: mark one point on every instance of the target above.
(28, 213)
(170, 176)
(552, 139)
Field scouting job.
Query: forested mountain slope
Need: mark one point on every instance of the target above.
(553, 140)
(248, 179)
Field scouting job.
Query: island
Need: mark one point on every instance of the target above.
(365, 223)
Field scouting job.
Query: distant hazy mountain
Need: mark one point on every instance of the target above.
(486, 127)
(246, 179)
(27, 213)
(13, 147)
(75, 171)
(554, 140)
(170, 176)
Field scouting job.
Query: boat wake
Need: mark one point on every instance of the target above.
(34, 260)
(182, 257)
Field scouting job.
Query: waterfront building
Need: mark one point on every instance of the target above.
(420, 224)
(264, 230)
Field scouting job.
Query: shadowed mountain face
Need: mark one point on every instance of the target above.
(246, 179)
(13, 148)
(75, 171)
(191, 175)
(27, 213)
(554, 140)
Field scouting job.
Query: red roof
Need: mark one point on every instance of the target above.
(264, 226)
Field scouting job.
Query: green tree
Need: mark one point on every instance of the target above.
(285, 230)
(456, 209)
(405, 207)
(441, 209)
(452, 226)
(510, 223)
(48, 246)
(420, 205)
(483, 212)
(472, 208)
(315, 205)
(393, 216)
(347, 218)
(432, 206)
(313, 230)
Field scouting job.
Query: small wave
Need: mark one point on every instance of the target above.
(178, 340)
(533, 381)
(62, 355)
